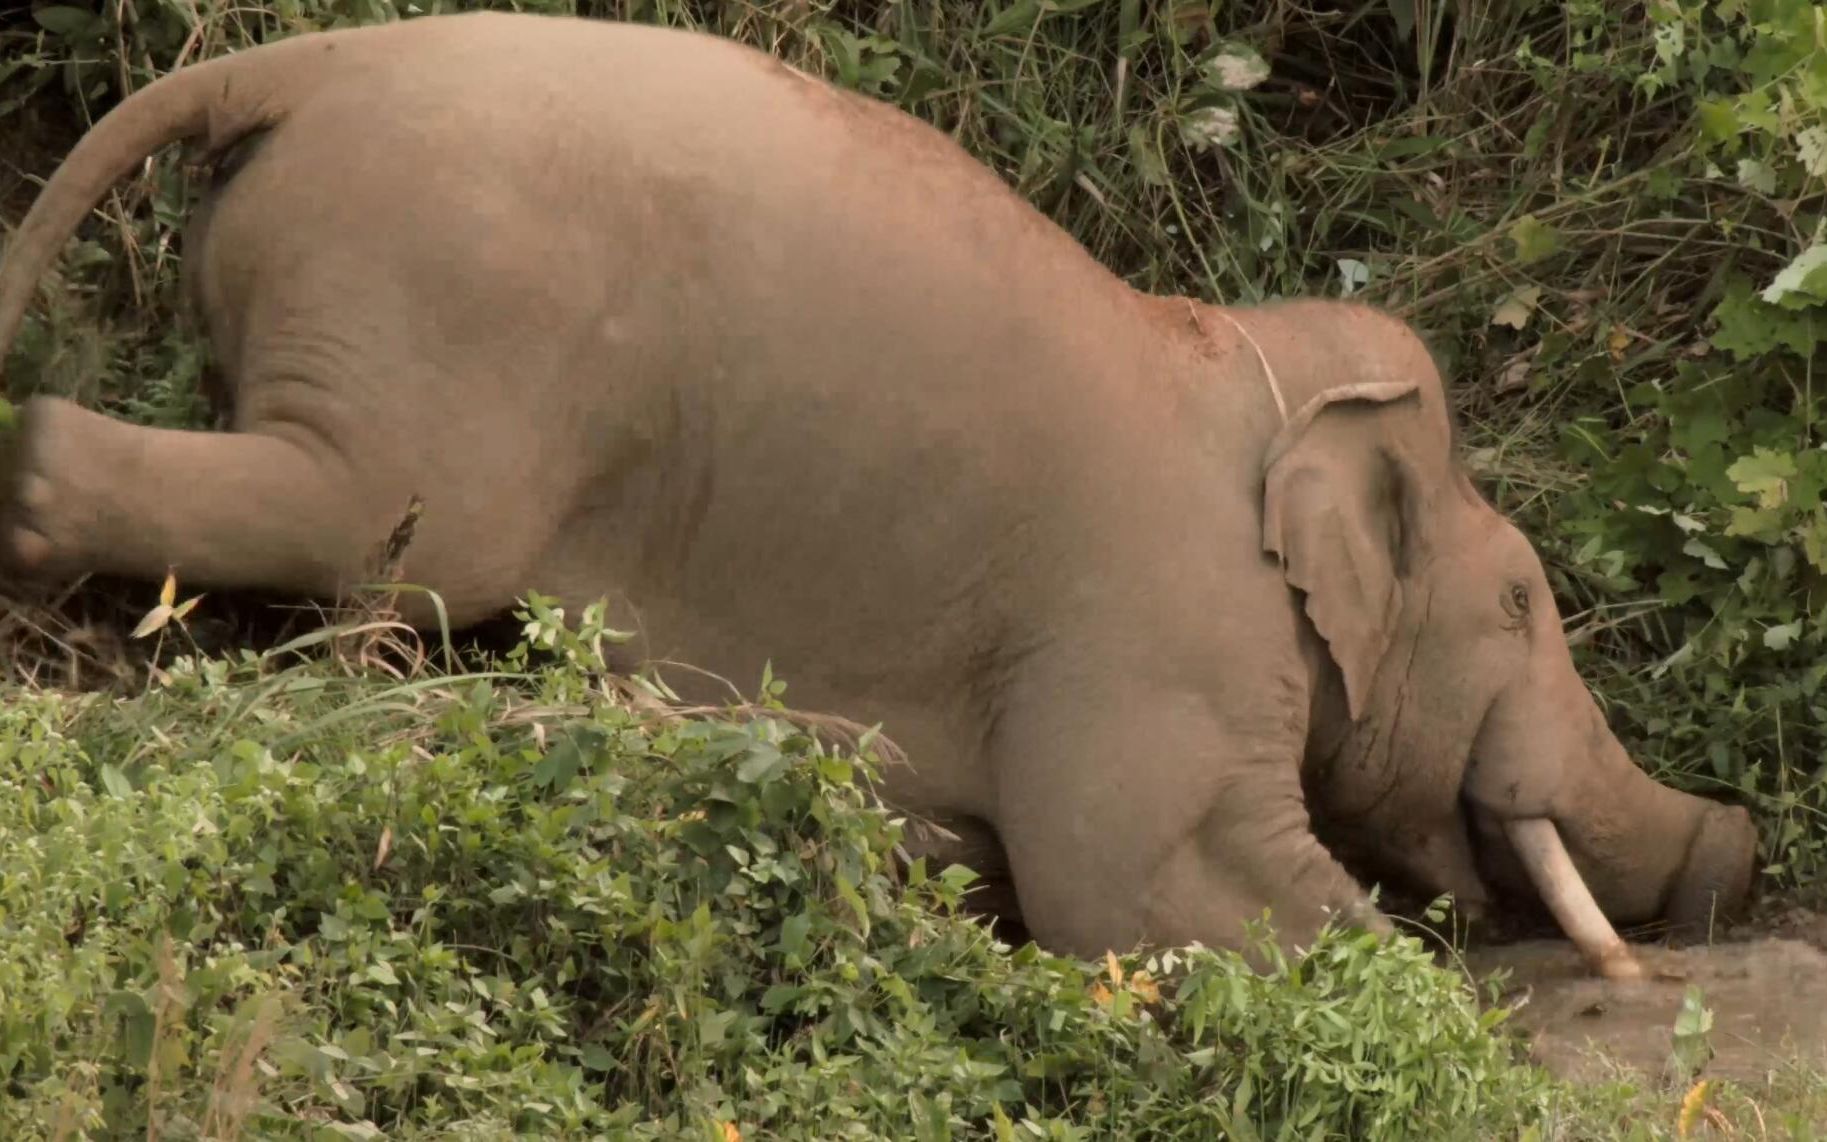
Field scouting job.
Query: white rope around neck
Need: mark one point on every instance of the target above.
(1268, 370)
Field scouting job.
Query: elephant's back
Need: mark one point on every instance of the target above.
(721, 290)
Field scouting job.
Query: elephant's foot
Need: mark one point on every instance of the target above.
(29, 512)
(1544, 856)
(86, 493)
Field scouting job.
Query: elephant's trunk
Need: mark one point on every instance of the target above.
(1601, 841)
(1650, 852)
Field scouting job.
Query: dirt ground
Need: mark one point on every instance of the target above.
(1765, 983)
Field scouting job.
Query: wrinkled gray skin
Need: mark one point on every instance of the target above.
(782, 372)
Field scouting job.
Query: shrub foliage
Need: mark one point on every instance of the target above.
(292, 903)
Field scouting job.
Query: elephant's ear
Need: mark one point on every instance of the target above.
(1339, 511)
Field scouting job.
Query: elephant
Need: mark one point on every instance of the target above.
(1145, 588)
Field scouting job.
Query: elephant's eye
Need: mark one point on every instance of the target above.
(1516, 604)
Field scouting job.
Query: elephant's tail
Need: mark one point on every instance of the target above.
(224, 99)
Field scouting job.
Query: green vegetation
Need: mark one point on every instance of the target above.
(288, 900)
(302, 903)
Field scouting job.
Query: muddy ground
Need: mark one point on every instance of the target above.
(1764, 981)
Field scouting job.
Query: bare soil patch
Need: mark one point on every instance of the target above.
(1766, 985)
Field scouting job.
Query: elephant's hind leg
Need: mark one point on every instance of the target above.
(87, 493)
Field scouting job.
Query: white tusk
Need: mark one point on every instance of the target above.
(1539, 846)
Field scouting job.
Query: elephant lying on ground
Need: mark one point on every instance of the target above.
(1138, 583)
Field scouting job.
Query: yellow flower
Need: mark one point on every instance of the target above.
(1692, 1104)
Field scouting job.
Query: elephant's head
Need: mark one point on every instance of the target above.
(1453, 737)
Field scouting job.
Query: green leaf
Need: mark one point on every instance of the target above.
(1749, 326)
(1756, 175)
(762, 763)
(1533, 239)
(115, 782)
(1354, 274)
(1814, 541)
(558, 768)
(1700, 550)
(1765, 475)
(1755, 112)
(1779, 637)
(1693, 1023)
(1803, 281)
(380, 971)
(847, 891)
(1718, 120)
(1402, 13)
(1766, 524)
(1516, 309)
(63, 20)
(1005, 1130)
(793, 932)
(1019, 16)
(1811, 148)
(700, 838)
(137, 1032)
(1145, 158)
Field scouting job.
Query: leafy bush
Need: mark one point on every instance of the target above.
(289, 903)
(1706, 470)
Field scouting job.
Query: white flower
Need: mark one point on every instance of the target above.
(1210, 127)
(1237, 68)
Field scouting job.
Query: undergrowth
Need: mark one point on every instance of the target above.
(290, 901)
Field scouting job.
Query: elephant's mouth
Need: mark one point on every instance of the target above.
(1650, 852)
(1476, 860)
(1543, 855)
(1535, 846)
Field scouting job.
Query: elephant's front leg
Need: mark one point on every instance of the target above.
(86, 493)
(1231, 867)
(1421, 849)
(1152, 815)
